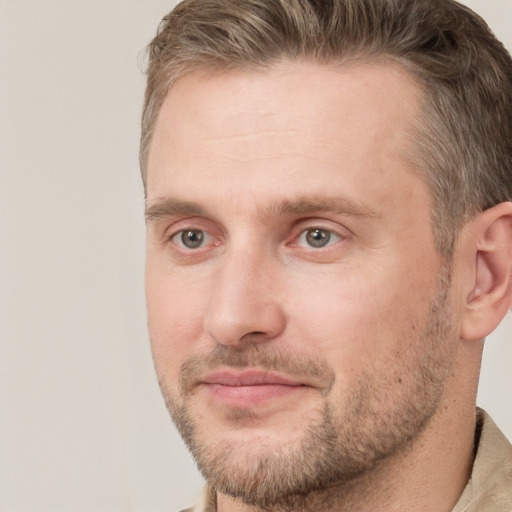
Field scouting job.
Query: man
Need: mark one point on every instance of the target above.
(328, 189)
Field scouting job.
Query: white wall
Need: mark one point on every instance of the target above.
(82, 423)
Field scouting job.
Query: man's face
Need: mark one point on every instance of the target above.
(298, 311)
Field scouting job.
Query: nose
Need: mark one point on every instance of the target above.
(245, 305)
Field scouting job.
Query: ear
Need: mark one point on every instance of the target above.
(490, 286)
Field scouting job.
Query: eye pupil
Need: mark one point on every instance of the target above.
(318, 237)
(192, 238)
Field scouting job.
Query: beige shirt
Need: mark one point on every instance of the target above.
(489, 489)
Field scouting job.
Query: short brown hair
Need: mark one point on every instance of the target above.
(463, 141)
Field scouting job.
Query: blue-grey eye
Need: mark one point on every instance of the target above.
(317, 238)
(192, 238)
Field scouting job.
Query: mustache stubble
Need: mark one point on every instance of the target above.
(307, 367)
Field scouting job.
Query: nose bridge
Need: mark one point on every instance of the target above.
(244, 303)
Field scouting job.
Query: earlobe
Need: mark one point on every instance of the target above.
(490, 296)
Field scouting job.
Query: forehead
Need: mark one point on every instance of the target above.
(280, 125)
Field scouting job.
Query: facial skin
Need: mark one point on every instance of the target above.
(302, 323)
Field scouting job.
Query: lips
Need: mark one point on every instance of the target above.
(248, 378)
(249, 388)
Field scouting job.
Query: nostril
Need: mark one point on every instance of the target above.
(253, 335)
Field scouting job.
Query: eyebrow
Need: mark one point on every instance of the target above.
(307, 205)
(168, 207)
(316, 204)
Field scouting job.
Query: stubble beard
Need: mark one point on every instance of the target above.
(351, 437)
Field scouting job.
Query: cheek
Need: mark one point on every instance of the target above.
(358, 318)
(176, 311)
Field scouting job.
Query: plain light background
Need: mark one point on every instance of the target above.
(82, 425)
